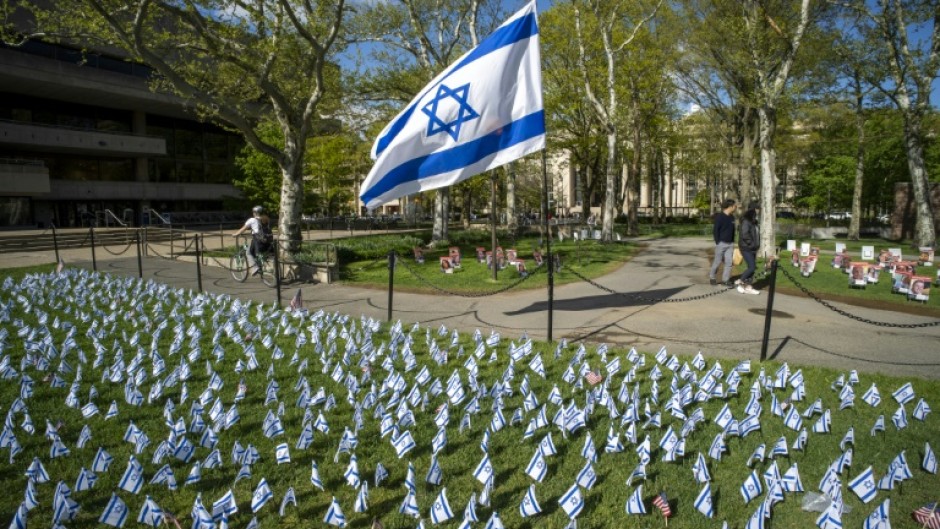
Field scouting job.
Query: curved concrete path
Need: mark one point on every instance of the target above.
(728, 325)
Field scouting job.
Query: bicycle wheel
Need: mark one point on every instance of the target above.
(238, 267)
(267, 271)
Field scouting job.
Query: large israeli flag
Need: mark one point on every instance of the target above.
(484, 111)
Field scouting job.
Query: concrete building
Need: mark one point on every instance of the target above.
(83, 133)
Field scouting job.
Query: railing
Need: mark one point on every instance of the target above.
(157, 214)
(105, 215)
(80, 129)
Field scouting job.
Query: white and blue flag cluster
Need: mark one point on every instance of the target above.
(326, 384)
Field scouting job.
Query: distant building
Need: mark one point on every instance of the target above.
(83, 133)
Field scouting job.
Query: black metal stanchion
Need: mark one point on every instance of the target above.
(198, 263)
(140, 263)
(55, 244)
(94, 260)
(391, 281)
(171, 242)
(770, 310)
(277, 272)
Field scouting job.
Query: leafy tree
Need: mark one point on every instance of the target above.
(233, 60)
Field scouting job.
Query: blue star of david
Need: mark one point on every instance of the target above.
(464, 112)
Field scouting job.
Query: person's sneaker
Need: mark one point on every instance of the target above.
(741, 289)
(737, 282)
(751, 290)
(712, 282)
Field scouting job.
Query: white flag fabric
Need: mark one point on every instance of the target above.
(864, 485)
(114, 513)
(703, 503)
(530, 505)
(440, 511)
(334, 515)
(572, 502)
(483, 111)
(879, 519)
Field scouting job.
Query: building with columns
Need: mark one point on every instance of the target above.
(81, 133)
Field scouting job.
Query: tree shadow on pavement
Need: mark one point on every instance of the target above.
(605, 301)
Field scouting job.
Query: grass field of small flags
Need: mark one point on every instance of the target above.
(131, 403)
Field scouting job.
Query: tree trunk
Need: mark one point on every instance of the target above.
(439, 230)
(924, 232)
(467, 206)
(856, 221)
(511, 197)
(610, 190)
(746, 160)
(292, 202)
(768, 179)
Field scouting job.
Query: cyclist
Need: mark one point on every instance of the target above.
(261, 236)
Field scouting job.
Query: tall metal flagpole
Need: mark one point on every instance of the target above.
(548, 245)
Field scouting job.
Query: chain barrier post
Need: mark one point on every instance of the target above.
(140, 263)
(171, 242)
(391, 281)
(770, 309)
(277, 271)
(55, 244)
(198, 263)
(94, 260)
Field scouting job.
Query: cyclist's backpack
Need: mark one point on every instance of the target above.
(265, 236)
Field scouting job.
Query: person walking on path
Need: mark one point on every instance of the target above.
(723, 232)
(749, 242)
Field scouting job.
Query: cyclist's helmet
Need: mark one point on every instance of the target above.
(257, 210)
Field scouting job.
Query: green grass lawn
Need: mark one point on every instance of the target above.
(832, 284)
(589, 258)
(119, 309)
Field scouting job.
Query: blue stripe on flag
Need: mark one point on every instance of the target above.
(520, 29)
(460, 156)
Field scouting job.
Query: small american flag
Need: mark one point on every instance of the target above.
(663, 503)
(296, 302)
(593, 378)
(928, 516)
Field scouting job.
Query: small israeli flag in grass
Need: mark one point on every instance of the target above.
(635, 502)
(572, 502)
(261, 495)
(904, 394)
(537, 467)
(440, 510)
(530, 505)
(114, 514)
(86, 480)
(751, 488)
(403, 443)
(703, 503)
(484, 470)
(864, 485)
(150, 513)
(19, 518)
(483, 111)
(224, 506)
(930, 460)
(334, 515)
(587, 477)
(133, 478)
(879, 518)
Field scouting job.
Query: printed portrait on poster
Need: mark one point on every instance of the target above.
(873, 272)
(419, 255)
(481, 254)
(455, 256)
(901, 282)
(807, 266)
(446, 265)
(537, 257)
(858, 274)
(920, 288)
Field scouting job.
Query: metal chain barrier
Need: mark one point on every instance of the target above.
(122, 252)
(841, 312)
(500, 290)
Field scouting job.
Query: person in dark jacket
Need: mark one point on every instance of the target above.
(723, 232)
(749, 243)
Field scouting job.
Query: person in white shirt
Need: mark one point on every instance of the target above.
(256, 224)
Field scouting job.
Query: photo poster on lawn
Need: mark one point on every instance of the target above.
(858, 274)
(419, 255)
(840, 247)
(838, 260)
(791, 245)
(481, 254)
(804, 249)
(896, 252)
(455, 256)
(868, 253)
(446, 265)
(795, 257)
(511, 255)
(537, 256)
(808, 265)
(901, 282)
(873, 272)
(926, 255)
(920, 288)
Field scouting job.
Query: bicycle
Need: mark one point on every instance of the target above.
(238, 265)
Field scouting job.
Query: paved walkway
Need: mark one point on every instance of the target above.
(728, 325)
